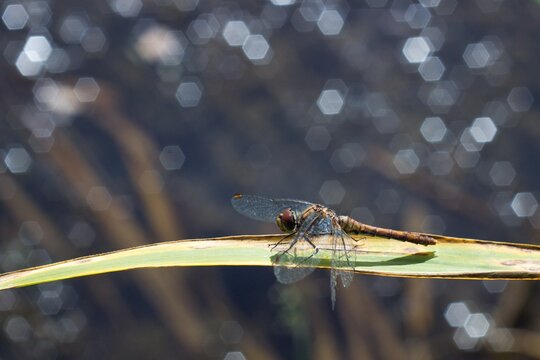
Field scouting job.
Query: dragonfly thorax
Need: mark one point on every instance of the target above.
(287, 220)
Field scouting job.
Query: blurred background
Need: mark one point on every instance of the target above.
(128, 122)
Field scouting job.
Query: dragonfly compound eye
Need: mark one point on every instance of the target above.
(286, 220)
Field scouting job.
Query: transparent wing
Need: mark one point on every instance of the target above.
(296, 263)
(265, 209)
(295, 257)
(343, 260)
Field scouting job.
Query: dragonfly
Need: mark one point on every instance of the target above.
(305, 225)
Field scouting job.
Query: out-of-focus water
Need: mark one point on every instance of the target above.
(126, 122)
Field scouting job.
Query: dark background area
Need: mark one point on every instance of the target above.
(128, 122)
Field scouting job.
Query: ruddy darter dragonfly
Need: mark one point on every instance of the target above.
(305, 224)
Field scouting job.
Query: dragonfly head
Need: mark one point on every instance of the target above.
(286, 220)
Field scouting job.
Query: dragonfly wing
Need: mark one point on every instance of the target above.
(297, 258)
(344, 257)
(343, 260)
(265, 209)
(295, 262)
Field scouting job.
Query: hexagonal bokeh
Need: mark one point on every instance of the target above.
(500, 339)
(426, 91)
(330, 22)
(466, 159)
(282, 2)
(417, 49)
(86, 89)
(37, 48)
(435, 35)
(40, 14)
(468, 141)
(347, 157)
(501, 202)
(456, 314)
(58, 62)
(524, 204)
(30, 232)
(126, 8)
(440, 163)
(406, 161)
(317, 138)
(99, 198)
(498, 111)
(57, 98)
(8, 299)
(332, 192)
(41, 145)
(26, 67)
(189, 94)
(311, 11)
(93, 40)
(17, 328)
(235, 32)
(430, 3)
(386, 122)
(257, 49)
(502, 173)
(202, 29)
(520, 99)
(15, 16)
(433, 129)
(231, 332)
(476, 56)
(234, 355)
(376, 104)
(82, 234)
(45, 90)
(73, 28)
(417, 16)
(49, 303)
(186, 5)
(476, 325)
(172, 157)
(158, 43)
(432, 69)
(495, 286)
(440, 96)
(463, 341)
(17, 160)
(483, 130)
(330, 102)
(39, 123)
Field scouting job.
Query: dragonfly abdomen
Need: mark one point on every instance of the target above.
(350, 225)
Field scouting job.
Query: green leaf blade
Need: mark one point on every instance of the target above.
(451, 258)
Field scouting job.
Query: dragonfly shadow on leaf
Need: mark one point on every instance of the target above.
(410, 259)
(416, 258)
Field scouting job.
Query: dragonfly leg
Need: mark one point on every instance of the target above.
(346, 252)
(283, 239)
(312, 244)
